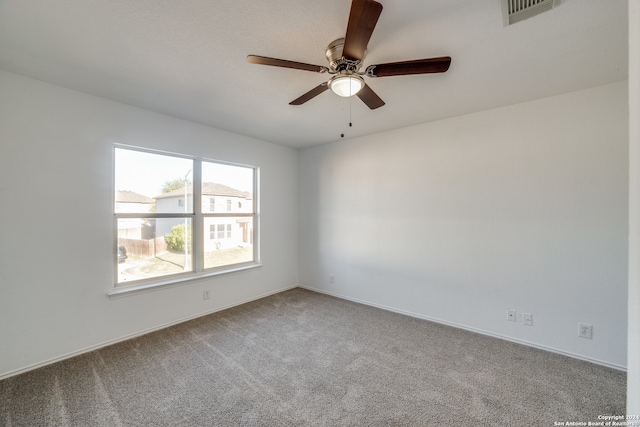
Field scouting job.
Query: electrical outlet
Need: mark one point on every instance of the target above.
(585, 331)
(527, 319)
(511, 315)
(205, 294)
(332, 279)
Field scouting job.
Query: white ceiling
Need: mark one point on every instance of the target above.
(186, 58)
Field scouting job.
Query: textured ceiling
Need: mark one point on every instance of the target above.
(187, 58)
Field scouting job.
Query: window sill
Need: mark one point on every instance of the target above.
(156, 285)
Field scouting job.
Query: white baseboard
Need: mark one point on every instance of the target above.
(470, 329)
(138, 334)
(322, 291)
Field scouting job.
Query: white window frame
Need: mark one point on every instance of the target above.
(197, 217)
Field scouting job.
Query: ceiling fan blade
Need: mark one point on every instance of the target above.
(363, 17)
(369, 97)
(418, 66)
(263, 60)
(311, 94)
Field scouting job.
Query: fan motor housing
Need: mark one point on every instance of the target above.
(337, 62)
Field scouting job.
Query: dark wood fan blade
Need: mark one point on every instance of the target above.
(362, 20)
(369, 97)
(263, 60)
(418, 66)
(311, 94)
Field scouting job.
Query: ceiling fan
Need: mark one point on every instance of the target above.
(345, 56)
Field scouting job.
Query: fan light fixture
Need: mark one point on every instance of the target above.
(346, 85)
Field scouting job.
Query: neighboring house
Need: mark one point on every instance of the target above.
(132, 202)
(220, 231)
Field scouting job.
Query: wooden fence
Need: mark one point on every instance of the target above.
(144, 248)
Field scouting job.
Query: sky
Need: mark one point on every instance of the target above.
(145, 173)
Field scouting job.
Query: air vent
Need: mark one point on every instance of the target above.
(518, 10)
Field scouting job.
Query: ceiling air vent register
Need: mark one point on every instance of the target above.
(518, 10)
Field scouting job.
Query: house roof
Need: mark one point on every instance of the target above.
(126, 196)
(209, 189)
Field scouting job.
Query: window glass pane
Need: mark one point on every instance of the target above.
(231, 243)
(146, 182)
(231, 186)
(150, 248)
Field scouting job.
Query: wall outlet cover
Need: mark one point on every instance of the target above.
(585, 331)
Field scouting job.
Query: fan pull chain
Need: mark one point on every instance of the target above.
(350, 123)
(343, 101)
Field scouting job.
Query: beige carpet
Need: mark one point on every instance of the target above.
(301, 358)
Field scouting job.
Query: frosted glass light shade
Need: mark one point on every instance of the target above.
(346, 85)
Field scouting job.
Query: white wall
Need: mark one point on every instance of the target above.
(633, 372)
(522, 207)
(56, 221)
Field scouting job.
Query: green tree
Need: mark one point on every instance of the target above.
(174, 184)
(175, 238)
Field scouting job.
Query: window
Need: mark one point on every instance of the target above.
(220, 231)
(160, 231)
(217, 231)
